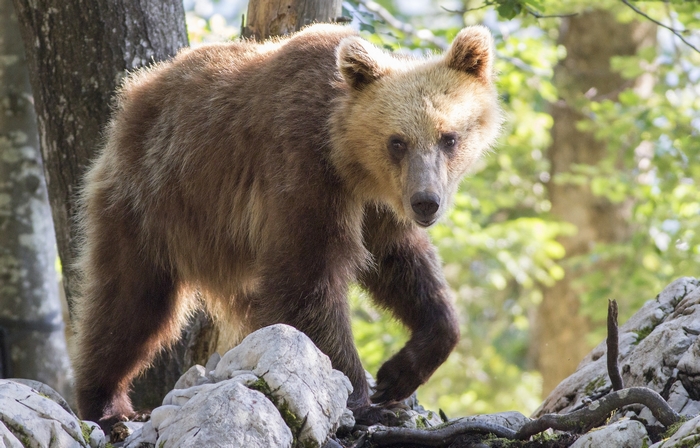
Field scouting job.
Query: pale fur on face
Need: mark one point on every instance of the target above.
(418, 100)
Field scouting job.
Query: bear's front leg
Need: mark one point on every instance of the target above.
(408, 280)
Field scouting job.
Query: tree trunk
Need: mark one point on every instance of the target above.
(32, 343)
(560, 330)
(267, 18)
(78, 51)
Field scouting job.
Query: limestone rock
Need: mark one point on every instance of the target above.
(659, 349)
(225, 414)
(621, 434)
(273, 387)
(29, 418)
(297, 374)
(687, 435)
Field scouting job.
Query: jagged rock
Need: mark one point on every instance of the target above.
(621, 434)
(688, 435)
(659, 349)
(195, 376)
(226, 414)
(273, 387)
(29, 418)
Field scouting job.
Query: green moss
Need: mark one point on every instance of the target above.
(643, 333)
(86, 430)
(421, 422)
(671, 430)
(162, 444)
(295, 424)
(593, 385)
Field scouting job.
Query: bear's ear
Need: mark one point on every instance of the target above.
(472, 52)
(360, 62)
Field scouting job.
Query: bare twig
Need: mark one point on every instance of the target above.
(386, 16)
(613, 347)
(442, 436)
(599, 410)
(537, 15)
(464, 11)
(676, 32)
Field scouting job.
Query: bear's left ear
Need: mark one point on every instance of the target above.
(360, 62)
(472, 52)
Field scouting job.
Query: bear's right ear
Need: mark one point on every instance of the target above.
(359, 62)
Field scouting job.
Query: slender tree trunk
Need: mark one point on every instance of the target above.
(32, 342)
(590, 39)
(272, 18)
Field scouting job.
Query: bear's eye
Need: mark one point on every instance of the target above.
(397, 148)
(448, 141)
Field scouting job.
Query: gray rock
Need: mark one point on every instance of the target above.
(97, 438)
(659, 349)
(688, 435)
(621, 434)
(8, 439)
(195, 376)
(297, 374)
(34, 420)
(226, 414)
(275, 383)
(143, 437)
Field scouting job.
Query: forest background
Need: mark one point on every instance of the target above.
(591, 194)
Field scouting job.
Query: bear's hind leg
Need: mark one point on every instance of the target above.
(128, 311)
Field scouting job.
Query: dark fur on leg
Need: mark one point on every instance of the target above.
(408, 281)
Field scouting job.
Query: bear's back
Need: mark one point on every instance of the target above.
(222, 143)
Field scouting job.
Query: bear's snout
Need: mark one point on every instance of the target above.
(425, 205)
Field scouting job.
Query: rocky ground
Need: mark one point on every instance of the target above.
(286, 394)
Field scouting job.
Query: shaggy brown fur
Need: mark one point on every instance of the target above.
(269, 177)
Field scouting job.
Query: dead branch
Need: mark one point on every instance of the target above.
(677, 33)
(613, 347)
(440, 436)
(598, 411)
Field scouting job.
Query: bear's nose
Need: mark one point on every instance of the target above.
(425, 204)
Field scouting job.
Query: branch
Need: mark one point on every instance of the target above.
(613, 347)
(671, 29)
(442, 436)
(392, 21)
(537, 15)
(528, 10)
(599, 410)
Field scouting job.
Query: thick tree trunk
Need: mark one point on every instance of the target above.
(32, 343)
(78, 51)
(560, 330)
(267, 18)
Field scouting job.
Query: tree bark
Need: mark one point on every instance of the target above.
(32, 342)
(78, 51)
(590, 39)
(267, 18)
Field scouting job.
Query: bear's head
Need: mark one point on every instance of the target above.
(408, 129)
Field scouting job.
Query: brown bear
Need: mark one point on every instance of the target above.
(268, 177)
